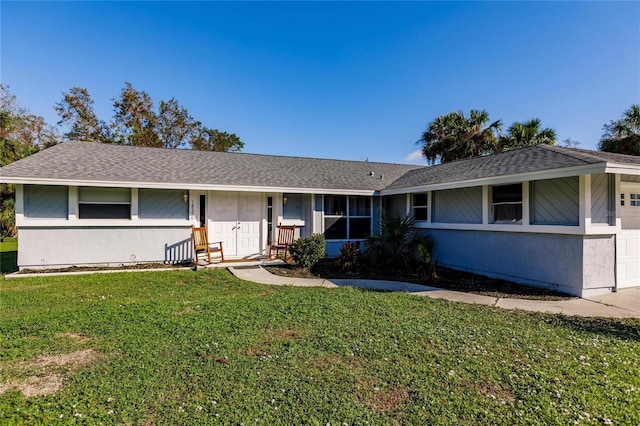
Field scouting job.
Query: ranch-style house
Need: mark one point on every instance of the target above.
(547, 216)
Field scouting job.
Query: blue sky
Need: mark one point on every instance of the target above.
(348, 80)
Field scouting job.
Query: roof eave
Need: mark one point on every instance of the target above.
(187, 186)
(623, 169)
(505, 179)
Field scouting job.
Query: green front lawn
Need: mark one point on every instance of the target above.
(8, 255)
(185, 347)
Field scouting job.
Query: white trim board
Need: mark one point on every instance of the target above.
(190, 186)
(498, 180)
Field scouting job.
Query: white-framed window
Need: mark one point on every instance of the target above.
(346, 217)
(506, 203)
(419, 207)
(104, 203)
(634, 200)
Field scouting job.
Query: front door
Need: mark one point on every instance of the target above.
(236, 220)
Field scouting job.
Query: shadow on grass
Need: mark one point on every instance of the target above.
(628, 329)
(8, 262)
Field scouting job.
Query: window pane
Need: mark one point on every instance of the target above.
(420, 213)
(507, 193)
(420, 199)
(335, 205)
(359, 206)
(269, 216)
(359, 227)
(335, 228)
(507, 213)
(104, 211)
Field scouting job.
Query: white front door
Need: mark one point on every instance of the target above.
(236, 220)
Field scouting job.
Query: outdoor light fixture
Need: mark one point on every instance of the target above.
(284, 199)
(185, 197)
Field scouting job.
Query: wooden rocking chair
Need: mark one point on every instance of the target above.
(286, 235)
(202, 249)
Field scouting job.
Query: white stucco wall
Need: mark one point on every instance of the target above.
(572, 264)
(58, 247)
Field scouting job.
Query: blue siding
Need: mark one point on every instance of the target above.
(162, 204)
(395, 205)
(555, 201)
(46, 202)
(600, 198)
(292, 209)
(462, 205)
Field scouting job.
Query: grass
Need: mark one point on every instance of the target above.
(203, 347)
(8, 255)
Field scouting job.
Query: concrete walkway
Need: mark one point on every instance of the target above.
(623, 304)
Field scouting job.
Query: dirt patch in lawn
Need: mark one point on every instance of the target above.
(45, 375)
(494, 391)
(355, 365)
(80, 338)
(388, 399)
(75, 359)
(273, 336)
(449, 279)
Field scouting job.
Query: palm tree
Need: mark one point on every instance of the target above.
(454, 136)
(528, 133)
(623, 136)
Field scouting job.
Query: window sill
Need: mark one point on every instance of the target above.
(100, 223)
(293, 222)
(509, 227)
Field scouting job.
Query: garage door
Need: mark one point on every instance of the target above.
(628, 251)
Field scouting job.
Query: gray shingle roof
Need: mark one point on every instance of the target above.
(527, 160)
(86, 161)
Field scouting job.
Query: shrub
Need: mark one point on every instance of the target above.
(308, 251)
(395, 244)
(349, 255)
(425, 250)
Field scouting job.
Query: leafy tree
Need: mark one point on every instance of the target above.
(21, 134)
(174, 125)
(135, 119)
(455, 136)
(623, 135)
(28, 132)
(8, 217)
(137, 122)
(570, 143)
(215, 140)
(76, 110)
(528, 133)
